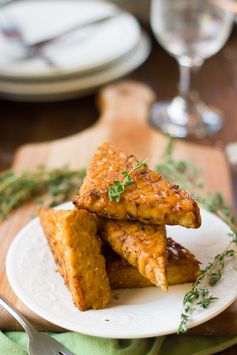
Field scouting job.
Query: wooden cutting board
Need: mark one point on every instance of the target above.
(124, 111)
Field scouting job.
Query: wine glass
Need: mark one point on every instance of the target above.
(191, 31)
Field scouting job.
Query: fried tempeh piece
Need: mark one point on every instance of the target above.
(77, 251)
(142, 245)
(149, 198)
(182, 267)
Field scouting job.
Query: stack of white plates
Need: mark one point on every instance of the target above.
(81, 61)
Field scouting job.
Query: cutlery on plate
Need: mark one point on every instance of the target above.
(76, 27)
(12, 32)
(38, 343)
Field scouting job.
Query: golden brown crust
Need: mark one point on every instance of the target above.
(182, 267)
(77, 251)
(142, 245)
(149, 198)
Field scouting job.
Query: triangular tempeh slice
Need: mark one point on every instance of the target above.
(77, 251)
(142, 245)
(149, 198)
(182, 267)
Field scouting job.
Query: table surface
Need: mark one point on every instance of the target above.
(36, 122)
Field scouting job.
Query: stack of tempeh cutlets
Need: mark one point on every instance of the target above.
(106, 243)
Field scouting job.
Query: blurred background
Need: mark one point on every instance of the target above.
(55, 55)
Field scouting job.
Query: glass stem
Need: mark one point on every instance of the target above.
(187, 101)
(187, 74)
(185, 81)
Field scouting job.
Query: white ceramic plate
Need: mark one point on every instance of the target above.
(77, 85)
(136, 313)
(83, 50)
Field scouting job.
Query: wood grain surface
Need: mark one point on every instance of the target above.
(124, 110)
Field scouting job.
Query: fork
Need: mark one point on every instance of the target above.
(13, 34)
(39, 344)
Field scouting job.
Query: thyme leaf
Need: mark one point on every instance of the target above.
(118, 188)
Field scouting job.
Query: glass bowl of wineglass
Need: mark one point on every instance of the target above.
(190, 31)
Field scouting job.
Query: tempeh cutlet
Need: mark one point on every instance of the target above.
(142, 245)
(77, 252)
(182, 267)
(149, 198)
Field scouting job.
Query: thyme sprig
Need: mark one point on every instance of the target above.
(200, 296)
(59, 185)
(115, 191)
(215, 203)
(182, 172)
(193, 298)
(187, 176)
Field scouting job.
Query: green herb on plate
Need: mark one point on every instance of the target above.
(200, 296)
(187, 176)
(115, 191)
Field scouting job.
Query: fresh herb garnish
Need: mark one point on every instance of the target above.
(215, 203)
(187, 176)
(182, 172)
(115, 191)
(199, 296)
(59, 185)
